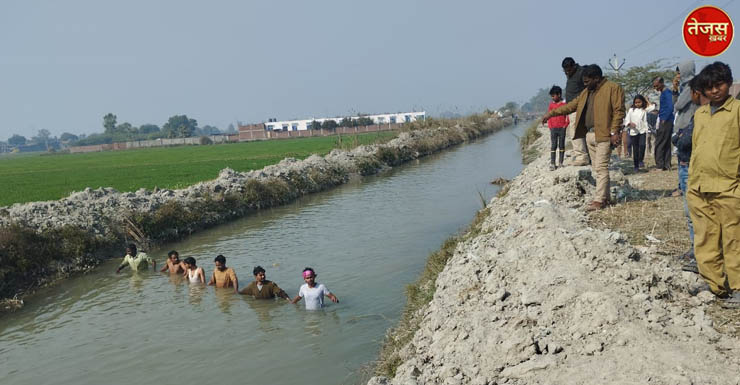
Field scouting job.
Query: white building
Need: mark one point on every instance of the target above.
(305, 124)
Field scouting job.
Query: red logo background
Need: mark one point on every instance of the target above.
(699, 43)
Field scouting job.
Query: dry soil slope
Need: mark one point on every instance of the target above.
(542, 298)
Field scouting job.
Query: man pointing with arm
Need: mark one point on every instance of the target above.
(599, 114)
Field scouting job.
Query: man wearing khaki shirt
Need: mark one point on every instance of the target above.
(713, 193)
(223, 276)
(599, 115)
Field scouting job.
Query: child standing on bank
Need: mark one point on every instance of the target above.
(557, 126)
(713, 190)
(635, 122)
(313, 291)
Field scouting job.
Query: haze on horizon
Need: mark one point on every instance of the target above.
(66, 64)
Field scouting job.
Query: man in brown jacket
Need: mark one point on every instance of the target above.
(261, 288)
(599, 115)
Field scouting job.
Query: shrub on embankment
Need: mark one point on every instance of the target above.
(150, 219)
(530, 152)
(29, 257)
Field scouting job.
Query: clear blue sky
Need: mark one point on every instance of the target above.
(65, 64)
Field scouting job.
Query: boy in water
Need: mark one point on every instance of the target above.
(136, 260)
(223, 276)
(193, 273)
(313, 291)
(173, 265)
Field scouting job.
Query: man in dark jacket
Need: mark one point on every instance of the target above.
(262, 288)
(682, 141)
(665, 127)
(573, 87)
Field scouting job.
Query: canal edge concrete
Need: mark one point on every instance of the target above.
(534, 295)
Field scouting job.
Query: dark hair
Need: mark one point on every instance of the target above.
(568, 62)
(659, 79)
(715, 73)
(257, 270)
(697, 83)
(173, 252)
(644, 101)
(592, 71)
(190, 261)
(309, 269)
(220, 258)
(131, 246)
(555, 90)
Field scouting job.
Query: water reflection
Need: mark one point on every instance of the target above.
(224, 297)
(195, 293)
(136, 282)
(263, 308)
(318, 322)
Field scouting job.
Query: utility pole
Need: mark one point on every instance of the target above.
(614, 63)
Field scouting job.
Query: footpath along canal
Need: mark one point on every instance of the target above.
(367, 240)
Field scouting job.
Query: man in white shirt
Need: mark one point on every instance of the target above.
(313, 291)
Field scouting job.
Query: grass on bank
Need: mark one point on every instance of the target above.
(651, 210)
(529, 152)
(418, 296)
(37, 177)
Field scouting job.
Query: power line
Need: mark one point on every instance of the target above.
(665, 41)
(670, 23)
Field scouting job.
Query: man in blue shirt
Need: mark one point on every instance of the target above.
(665, 128)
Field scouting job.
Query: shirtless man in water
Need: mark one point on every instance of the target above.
(173, 265)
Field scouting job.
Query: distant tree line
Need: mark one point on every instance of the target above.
(345, 122)
(539, 102)
(177, 126)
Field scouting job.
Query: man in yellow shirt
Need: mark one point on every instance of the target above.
(136, 260)
(223, 276)
(713, 193)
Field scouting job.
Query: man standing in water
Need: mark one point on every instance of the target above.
(599, 117)
(313, 291)
(223, 276)
(136, 260)
(173, 265)
(262, 288)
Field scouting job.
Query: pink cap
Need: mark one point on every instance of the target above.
(307, 274)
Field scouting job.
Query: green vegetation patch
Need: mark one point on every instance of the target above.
(37, 178)
(529, 152)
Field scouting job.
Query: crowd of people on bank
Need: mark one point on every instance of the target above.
(225, 277)
(699, 117)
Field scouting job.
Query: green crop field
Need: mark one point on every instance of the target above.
(36, 177)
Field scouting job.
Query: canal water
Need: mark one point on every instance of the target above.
(366, 240)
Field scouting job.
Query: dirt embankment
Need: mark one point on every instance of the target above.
(540, 297)
(42, 241)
